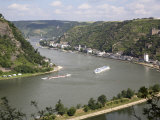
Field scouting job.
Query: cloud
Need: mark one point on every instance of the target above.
(58, 11)
(69, 7)
(19, 7)
(90, 10)
(84, 6)
(144, 8)
(25, 12)
(56, 3)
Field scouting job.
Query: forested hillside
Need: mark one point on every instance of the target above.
(114, 36)
(16, 54)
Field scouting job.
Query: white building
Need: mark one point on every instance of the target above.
(89, 50)
(79, 48)
(146, 57)
(64, 46)
(101, 53)
(51, 43)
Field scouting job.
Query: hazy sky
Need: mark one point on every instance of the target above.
(79, 10)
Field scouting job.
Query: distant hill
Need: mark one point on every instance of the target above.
(16, 54)
(123, 36)
(46, 28)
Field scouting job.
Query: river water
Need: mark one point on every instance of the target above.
(82, 85)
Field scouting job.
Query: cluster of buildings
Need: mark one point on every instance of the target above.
(118, 55)
(61, 45)
(96, 52)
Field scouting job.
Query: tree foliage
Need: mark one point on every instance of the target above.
(9, 113)
(102, 99)
(143, 92)
(71, 111)
(112, 36)
(61, 110)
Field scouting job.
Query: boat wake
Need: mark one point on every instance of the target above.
(55, 77)
(44, 78)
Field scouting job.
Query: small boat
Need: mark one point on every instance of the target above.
(101, 69)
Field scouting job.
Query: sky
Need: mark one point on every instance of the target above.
(79, 10)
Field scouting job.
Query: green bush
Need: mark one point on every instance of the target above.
(1, 72)
(61, 110)
(78, 106)
(143, 92)
(156, 88)
(102, 99)
(24, 69)
(130, 93)
(92, 104)
(71, 111)
(85, 108)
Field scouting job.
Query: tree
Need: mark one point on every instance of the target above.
(1, 72)
(60, 108)
(143, 92)
(153, 110)
(124, 93)
(156, 88)
(1, 16)
(47, 114)
(119, 96)
(71, 111)
(9, 113)
(85, 108)
(102, 99)
(130, 93)
(92, 104)
(78, 106)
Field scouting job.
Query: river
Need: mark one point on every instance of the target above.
(82, 85)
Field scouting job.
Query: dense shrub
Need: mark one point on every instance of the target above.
(61, 110)
(85, 108)
(1, 72)
(143, 92)
(126, 94)
(92, 104)
(24, 69)
(156, 88)
(78, 106)
(102, 99)
(71, 111)
(130, 93)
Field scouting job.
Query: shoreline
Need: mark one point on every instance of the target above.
(152, 66)
(56, 69)
(149, 65)
(109, 110)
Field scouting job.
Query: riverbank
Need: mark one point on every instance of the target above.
(114, 57)
(148, 65)
(80, 114)
(55, 69)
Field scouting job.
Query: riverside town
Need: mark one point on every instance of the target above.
(80, 60)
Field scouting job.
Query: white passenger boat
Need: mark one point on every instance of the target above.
(101, 69)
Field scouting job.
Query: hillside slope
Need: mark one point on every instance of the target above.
(16, 54)
(111, 36)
